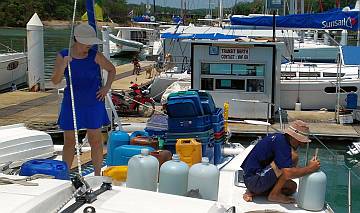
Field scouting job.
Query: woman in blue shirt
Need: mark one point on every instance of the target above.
(89, 95)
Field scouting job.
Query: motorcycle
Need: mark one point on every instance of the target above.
(135, 102)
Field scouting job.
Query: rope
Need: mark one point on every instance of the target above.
(72, 93)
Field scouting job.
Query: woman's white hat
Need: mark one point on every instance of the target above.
(85, 34)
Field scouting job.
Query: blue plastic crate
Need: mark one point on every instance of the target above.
(207, 102)
(196, 135)
(218, 127)
(190, 99)
(122, 154)
(189, 124)
(56, 168)
(217, 116)
(183, 108)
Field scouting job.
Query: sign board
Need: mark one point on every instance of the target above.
(234, 53)
(275, 4)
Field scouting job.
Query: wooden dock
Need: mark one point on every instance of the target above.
(40, 111)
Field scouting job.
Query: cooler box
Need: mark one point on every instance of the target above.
(122, 154)
(56, 168)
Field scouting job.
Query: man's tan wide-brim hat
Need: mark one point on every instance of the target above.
(85, 34)
(299, 130)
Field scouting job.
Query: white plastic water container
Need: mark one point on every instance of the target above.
(143, 171)
(204, 177)
(312, 189)
(174, 177)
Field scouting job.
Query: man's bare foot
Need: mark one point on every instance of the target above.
(280, 198)
(248, 196)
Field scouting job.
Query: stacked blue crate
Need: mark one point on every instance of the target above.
(186, 119)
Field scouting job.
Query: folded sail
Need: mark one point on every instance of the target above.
(327, 20)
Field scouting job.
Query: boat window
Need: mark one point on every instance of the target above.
(207, 84)
(342, 90)
(332, 74)
(309, 74)
(230, 84)
(288, 74)
(12, 65)
(248, 69)
(254, 85)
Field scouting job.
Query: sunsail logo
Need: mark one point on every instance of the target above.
(345, 22)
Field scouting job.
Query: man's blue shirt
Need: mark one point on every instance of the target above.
(274, 147)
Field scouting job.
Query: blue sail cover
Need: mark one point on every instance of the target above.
(326, 20)
(198, 36)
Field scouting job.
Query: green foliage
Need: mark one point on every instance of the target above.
(16, 13)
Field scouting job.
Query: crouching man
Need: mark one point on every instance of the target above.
(272, 164)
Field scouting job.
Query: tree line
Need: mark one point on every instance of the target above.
(16, 13)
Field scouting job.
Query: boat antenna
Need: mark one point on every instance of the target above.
(72, 92)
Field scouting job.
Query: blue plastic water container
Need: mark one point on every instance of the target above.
(351, 100)
(116, 139)
(56, 168)
(122, 154)
(217, 153)
(189, 124)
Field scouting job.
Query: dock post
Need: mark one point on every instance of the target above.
(35, 54)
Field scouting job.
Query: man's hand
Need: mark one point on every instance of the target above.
(314, 164)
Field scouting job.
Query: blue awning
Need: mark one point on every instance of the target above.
(350, 55)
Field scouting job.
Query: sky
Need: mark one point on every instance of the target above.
(193, 4)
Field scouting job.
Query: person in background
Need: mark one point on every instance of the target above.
(89, 94)
(272, 164)
(137, 67)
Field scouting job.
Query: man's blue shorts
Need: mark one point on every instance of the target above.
(261, 182)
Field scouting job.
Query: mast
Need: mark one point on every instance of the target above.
(220, 12)
(154, 7)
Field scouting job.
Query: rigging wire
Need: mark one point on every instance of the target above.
(72, 92)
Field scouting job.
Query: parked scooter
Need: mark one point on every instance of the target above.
(136, 102)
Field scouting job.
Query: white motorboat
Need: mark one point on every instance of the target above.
(314, 85)
(13, 70)
(52, 195)
(133, 40)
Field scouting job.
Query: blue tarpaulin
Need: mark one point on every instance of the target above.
(326, 20)
(350, 55)
(198, 36)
